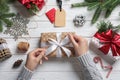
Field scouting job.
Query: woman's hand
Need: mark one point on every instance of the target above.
(80, 44)
(34, 58)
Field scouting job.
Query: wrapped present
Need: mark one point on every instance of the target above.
(33, 5)
(4, 50)
(57, 44)
(107, 41)
(95, 46)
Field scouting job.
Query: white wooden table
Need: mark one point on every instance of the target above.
(55, 69)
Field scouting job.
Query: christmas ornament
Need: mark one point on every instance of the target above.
(5, 14)
(100, 5)
(33, 6)
(17, 63)
(23, 46)
(4, 50)
(79, 20)
(19, 27)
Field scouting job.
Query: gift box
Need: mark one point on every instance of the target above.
(109, 42)
(33, 5)
(106, 42)
(57, 44)
(4, 50)
(107, 45)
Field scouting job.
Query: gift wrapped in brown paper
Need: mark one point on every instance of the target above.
(57, 44)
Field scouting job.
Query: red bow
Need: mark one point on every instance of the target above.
(38, 3)
(109, 40)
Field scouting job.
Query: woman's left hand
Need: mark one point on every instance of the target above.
(34, 58)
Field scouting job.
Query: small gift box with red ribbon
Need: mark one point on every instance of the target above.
(33, 5)
(107, 39)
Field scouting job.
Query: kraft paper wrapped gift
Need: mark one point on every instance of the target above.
(57, 44)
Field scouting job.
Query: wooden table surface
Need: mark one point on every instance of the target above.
(55, 69)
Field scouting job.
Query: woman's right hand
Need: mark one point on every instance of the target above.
(80, 44)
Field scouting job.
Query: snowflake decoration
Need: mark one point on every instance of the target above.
(18, 28)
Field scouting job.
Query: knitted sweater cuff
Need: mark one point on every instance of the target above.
(85, 60)
(25, 74)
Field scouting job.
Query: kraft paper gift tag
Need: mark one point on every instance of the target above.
(60, 18)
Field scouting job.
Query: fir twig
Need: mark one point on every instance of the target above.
(93, 6)
(8, 22)
(80, 4)
(96, 15)
(104, 26)
(1, 28)
(4, 14)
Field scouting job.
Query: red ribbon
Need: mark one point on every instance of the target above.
(109, 39)
(38, 3)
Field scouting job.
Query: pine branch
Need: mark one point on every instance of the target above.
(4, 14)
(8, 22)
(104, 26)
(112, 7)
(93, 6)
(7, 15)
(83, 4)
(92, 1)
(11, 1)
(1, 28)
(4, 8)
(106, 3)
(96, 15)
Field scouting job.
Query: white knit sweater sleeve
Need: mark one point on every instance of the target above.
(25, 74)
(89, 69)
